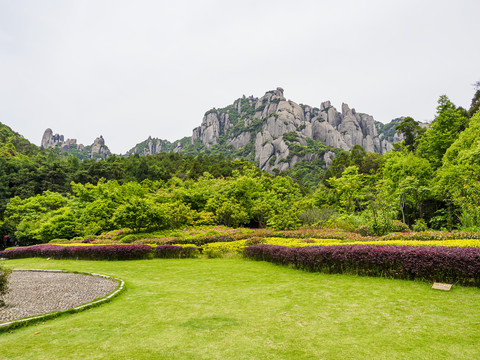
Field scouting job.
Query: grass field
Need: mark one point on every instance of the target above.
(240, 309)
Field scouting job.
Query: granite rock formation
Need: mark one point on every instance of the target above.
(276, 133)
(98, 150)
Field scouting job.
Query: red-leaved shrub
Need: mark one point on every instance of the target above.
(97, 252)
(446, 264)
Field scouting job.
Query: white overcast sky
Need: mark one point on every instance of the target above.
(130, 69)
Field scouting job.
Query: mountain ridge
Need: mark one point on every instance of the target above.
(276, 133)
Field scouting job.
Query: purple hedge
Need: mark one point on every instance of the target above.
(175, 252)
(445, 264)
(97, 252)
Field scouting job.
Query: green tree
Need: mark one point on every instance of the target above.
(443, 131)
(411, 130)
(407, 176)
(60, 224)
(348, 187)
(141, 214)
(475, 105)
(459, 172)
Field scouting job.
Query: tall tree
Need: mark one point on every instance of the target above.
(444, 130)
(410, 129)
(475, 101)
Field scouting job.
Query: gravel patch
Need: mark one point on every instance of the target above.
(39, 292)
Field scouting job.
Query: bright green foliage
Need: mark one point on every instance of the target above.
(458, 179)
(13, 144)
(27, 218)
(380, 208)
(443, 131)
(60, 224)
(249, 197)
(284, 220)
(420, 225)
(465, 150)
(228, 212)
(140, 214)
(97, 216)
(348, 187)
(407, 176)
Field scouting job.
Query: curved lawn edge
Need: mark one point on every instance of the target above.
(51, 315)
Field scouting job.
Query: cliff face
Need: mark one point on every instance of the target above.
(151, 147)
(279, 129)
(98, 150)
(276, 133)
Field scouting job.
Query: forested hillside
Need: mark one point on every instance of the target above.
(429, 180)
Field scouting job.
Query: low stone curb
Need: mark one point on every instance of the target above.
(35, 319)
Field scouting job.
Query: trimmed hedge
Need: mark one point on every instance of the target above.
(176, 252)
(97, 252)
(433, 235)
(101, 252)
(445, 264)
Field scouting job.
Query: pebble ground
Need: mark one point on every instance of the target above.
(36, 292)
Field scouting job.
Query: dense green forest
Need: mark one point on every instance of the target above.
(430, 180)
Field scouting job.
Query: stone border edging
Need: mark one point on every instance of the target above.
(26, 321)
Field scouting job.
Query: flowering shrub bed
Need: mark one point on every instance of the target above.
(98, 252)
(433, 235)
(114, 235)
(336, 237)
(176, 252)
(453, 265)
(232, 235)
(317, 233)
(301, 242)
(333, 242)
(447, 243)
(219, 249)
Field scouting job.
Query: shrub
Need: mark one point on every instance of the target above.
(141, 214)
(253, 241)
(128, 239)
(221, 249)
(453, 265)
(434, 235)
(348, 223)
(313, 216)
(285, 220)
(95, 252)
(4, 273)
(398, 226)
(420, 225)
(363, 230)
(231, 213)
(176, 252)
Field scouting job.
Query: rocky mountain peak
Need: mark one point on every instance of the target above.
(276, 133)
(51, 140)
(97, 150)
(263, 123)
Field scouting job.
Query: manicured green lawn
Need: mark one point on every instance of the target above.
(239, 309)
